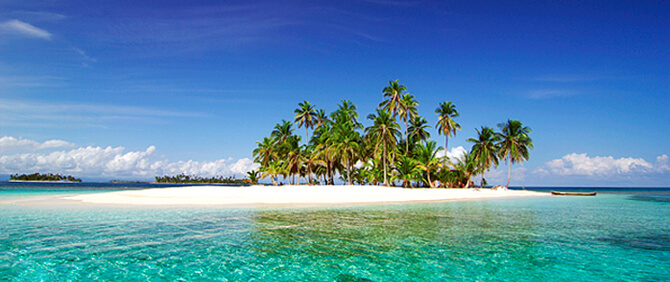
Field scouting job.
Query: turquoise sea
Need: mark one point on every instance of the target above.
(619, 235)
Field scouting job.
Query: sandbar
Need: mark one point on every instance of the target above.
(290, 194)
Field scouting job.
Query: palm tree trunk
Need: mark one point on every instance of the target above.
(481, 181)
(446, 144)
(386, 183)
(406, 140)
(430, 183)
(309, 172)
(327, 176)
(349, 174)
(331, 180)
(509, 170)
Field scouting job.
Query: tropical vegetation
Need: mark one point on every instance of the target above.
(43, 177)
(395, 149)
(194, 179)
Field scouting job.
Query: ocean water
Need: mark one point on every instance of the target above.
(621, 235)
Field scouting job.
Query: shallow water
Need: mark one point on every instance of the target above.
(618, 236)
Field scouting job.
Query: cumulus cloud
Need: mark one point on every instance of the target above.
(583, 165)
(12, 144)
(113, 162)
(454, 155)
(24, 29)
(662, 163)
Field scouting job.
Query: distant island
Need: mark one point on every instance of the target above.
(193, 179)
(38, 177)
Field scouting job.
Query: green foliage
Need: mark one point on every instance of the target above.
(253, 176)
(43, 177)
(445, 123)
(192, 179)
(380, 153)
(514, 144)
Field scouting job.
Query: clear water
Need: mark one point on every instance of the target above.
(613, 236)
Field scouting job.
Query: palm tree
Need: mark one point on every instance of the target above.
(407, 111)
(347, 143)
(406, 171)
(321, 118)
(273, 169)
(311, 159)
(382, 134)
(445, 123)
(322, 142)
(265, 152)
(346, 112)
(514, 144)
(426, 156)
(417, 129)
(253, 176)
(282, 131)
(292, 157)
(345, 139)
(485, 150)
(305, 114)
(466, 167)
(394, 94)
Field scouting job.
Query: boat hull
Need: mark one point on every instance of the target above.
(558, 193)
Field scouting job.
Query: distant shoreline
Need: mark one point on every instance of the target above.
(43, 181)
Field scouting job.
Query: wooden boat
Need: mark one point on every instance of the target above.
(557, 193)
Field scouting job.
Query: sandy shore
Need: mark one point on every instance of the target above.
(217, 195)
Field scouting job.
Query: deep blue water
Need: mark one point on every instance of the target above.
(615, 236)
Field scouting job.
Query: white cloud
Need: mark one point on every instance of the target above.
(583, 165)
(24, 29)
(662, 163)
(113, 162)
(455, 153)
(12, 144)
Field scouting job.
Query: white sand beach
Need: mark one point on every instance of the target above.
(259, 195)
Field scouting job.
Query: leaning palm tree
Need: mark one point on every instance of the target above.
(514, 144)
(265, 152)
(393, 93)
(485, 150)
(407, 111)
(382, 135)
(426, 157)
(466, 166)
(445, 123)
(305, 115)
(273, 169)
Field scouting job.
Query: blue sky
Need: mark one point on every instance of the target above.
(131, 89)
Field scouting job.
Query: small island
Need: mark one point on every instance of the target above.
(395, 149)
(194, 179)
(38, 177)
